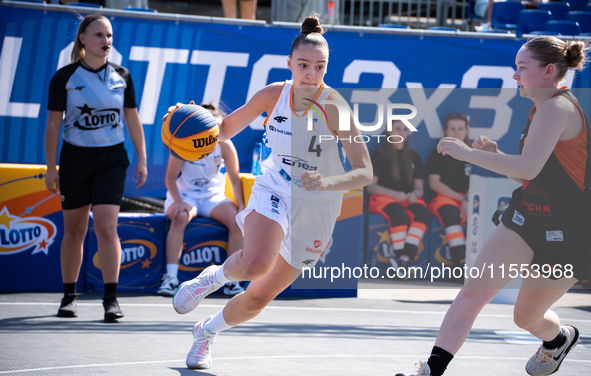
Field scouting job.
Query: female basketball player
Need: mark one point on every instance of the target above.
(295, 202)
(396, 192)
(199, 190)
(94, 94)
(545, 229)
(450, 179)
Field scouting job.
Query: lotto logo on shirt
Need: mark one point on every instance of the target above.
(91, 118)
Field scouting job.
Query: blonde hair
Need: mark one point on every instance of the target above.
(78, 51)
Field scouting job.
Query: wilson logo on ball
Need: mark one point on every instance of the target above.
(206, 141)
(190, 133)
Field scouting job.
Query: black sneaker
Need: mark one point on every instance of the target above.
(68, 306)
(112, 309)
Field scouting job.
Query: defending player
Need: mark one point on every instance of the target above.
(548, 218)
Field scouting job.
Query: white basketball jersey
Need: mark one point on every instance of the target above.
(289, 149)
(203, 178)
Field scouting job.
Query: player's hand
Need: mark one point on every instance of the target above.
(173, 108)
(412, 197)
(141, 173)
(312, 181)
(399, 196)
(52, 182)
(454, 147)
(485, 143)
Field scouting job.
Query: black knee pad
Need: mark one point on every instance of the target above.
(396, 213)
(450, 215)
(421, 214)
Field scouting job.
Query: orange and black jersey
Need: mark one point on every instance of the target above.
(561, 193)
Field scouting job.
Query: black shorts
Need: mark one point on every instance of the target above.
(565, 250)
(94, 175)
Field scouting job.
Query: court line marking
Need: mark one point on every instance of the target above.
(287, 308)
(268, 358)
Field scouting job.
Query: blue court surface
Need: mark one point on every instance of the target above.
(385, 330)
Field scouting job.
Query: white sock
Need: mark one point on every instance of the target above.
(172, 270)
(217, 323)
(220, 277)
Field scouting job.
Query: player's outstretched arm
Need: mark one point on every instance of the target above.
(262, 101)
(549, 123)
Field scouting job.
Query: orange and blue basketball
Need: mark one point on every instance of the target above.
(190, 133)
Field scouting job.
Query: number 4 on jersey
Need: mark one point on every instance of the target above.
(313, 149)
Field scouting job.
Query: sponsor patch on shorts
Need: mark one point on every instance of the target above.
(554, 236)
(518, 218)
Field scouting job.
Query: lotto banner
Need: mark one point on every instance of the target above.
(205, 243)
(142, 253)
(31, 231)
(176, 59)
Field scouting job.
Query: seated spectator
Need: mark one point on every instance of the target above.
(199, 190)
(396, 192)
(450, 179)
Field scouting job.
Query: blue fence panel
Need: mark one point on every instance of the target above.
(177, 61)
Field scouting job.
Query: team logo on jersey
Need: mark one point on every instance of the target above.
(79, 88)
(280, 119)
(317, 243)
(282, 131)
(17, 234)
(275, 204)
(308, 262)
(201, 182)
(91, 118)
(297, 162)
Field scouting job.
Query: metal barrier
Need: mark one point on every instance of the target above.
(415, 13)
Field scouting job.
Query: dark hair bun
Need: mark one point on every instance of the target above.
(312, 25)
(575, 54)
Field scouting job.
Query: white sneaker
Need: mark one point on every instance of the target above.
(483, 28)
(422, 370)
(546, 362)
(200, 354)
(233, 288)
(191, 293)
(169, 286)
